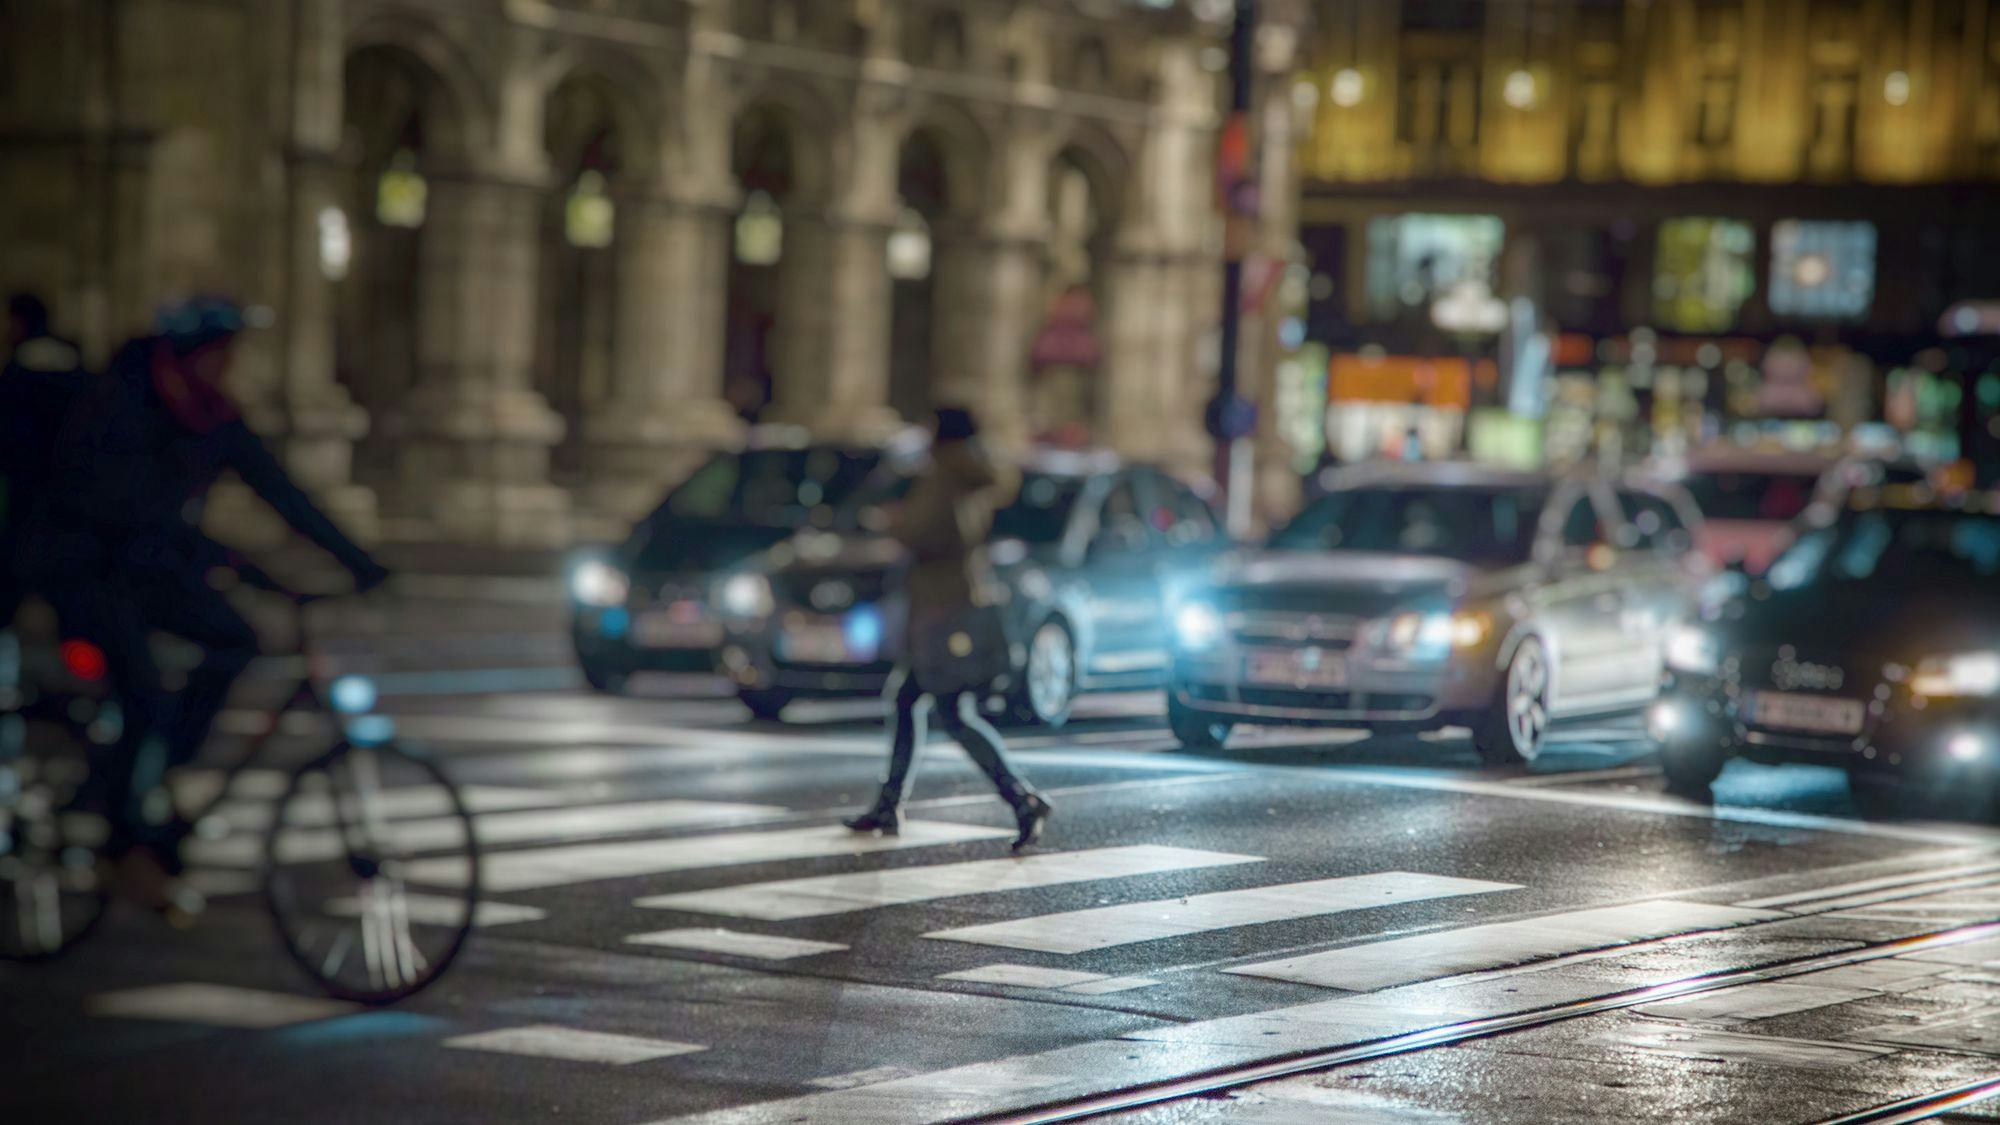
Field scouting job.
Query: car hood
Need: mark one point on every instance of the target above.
(1894, 624)
(691, 547)
(1359, 582)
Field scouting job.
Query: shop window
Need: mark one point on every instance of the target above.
(1415, 259)
(1704, 273)
(1822, 270)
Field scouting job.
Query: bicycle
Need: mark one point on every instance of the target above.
(335, 849)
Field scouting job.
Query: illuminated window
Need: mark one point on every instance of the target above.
(1415, 259)
(589, 215)
(760, 231)
(336, 245)
(1704, 273)
(401, 193)
(1822, 269)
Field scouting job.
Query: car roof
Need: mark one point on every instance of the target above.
(1440, 474)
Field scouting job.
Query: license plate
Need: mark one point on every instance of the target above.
(1295, 667)
(819, 642)
(683, 624)
(1814, 713)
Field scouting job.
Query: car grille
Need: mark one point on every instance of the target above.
(797, 587)
(1808, 672)
(1328, 631)
(1342, 702)
(657, 590)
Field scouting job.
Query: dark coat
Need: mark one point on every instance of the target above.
(943, 524)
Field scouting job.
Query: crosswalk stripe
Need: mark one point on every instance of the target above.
(444, 910)
(1755, 1001)
(1426, 956)
(549, 1041)
(535, 868)
(1079, 931)
(839, 894)
(1055, 980)
(214, 1005)
(763, 947)
(515, 827)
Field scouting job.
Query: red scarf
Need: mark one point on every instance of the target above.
(198, 406)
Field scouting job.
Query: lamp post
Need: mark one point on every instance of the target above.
(1230, 418)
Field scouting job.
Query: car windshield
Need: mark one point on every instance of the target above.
(1917, 547)
(1040, 511)
(1767, 496)
(1492, 525)
(769, 487)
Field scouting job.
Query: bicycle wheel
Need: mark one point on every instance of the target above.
(53, 884)
(357, 829)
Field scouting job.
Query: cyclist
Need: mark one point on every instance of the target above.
(117, 549)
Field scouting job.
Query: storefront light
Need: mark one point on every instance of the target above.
(1347, 88)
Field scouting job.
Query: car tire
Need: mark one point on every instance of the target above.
(765, 704)
(1047, 684)
(1194, 730)
(609, 681)
(1509, 732)
(1691, 766)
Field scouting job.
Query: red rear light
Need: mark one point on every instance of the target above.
(84, 660)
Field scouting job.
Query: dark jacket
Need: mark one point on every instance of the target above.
(943, 524)
(42, 378)
(135, 467)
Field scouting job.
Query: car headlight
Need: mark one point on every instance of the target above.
(746, 595)
(1197, 626)
(1693, 649)
(1431, 636)
(1958, 674)
(594, 582)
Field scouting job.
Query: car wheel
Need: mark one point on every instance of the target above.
(607, 680)
(1510, 731)
(1691, 766)
(1048, 678)
(764, 704)
(1194, 730)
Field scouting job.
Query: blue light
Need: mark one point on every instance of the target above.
(352, 695)
(371, 730)
(614, 623)
(863, 631)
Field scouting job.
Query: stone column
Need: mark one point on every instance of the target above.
(665, 409)
(988, 307)
(473, 436)
(832, 352)
(1129, 403)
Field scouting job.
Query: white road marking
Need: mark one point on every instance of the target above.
(864, 890)
(1890, 974)
(1078, 931)
(1972, 954)
(548, 1041)
(448, 832)
(1977, 1031)
(1024, 976)
(868, 1077)
(536, 868)
(1731, 1046)
(763, 947)
(1755, 1001)
(314, 810)
(444, 910)
(1109, 985)
(215, 1005)
(1887, 882)
(1379, 964)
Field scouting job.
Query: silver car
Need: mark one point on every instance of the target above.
(1421, 596)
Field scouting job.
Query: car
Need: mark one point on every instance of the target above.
(649, 603)
(1902, 683)
(1750, 500)
(1084, 549)
(1421, 596)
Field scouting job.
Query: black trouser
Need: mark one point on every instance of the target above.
(162, 728)
(958, 713)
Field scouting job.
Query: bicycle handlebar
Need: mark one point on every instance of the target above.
(256, 578)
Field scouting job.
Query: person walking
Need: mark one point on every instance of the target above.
(954, 646)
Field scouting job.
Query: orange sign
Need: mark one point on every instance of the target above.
(1442, 383)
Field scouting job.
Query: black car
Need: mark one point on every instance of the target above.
(1872, 643)
(1084, 549)
(650, 602)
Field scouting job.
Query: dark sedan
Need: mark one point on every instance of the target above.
(1084, 550)
(651, 602)
(1872, 644)
(1422, 596)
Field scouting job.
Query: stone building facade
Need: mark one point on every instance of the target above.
(527, 256)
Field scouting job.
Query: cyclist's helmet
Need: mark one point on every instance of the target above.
(197, 321)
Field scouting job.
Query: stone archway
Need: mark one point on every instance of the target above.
(773, 275)
(1067, 395)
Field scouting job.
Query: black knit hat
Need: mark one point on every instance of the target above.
(955, 423)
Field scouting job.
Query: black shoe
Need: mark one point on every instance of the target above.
(1031, 811)
(884, 818)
